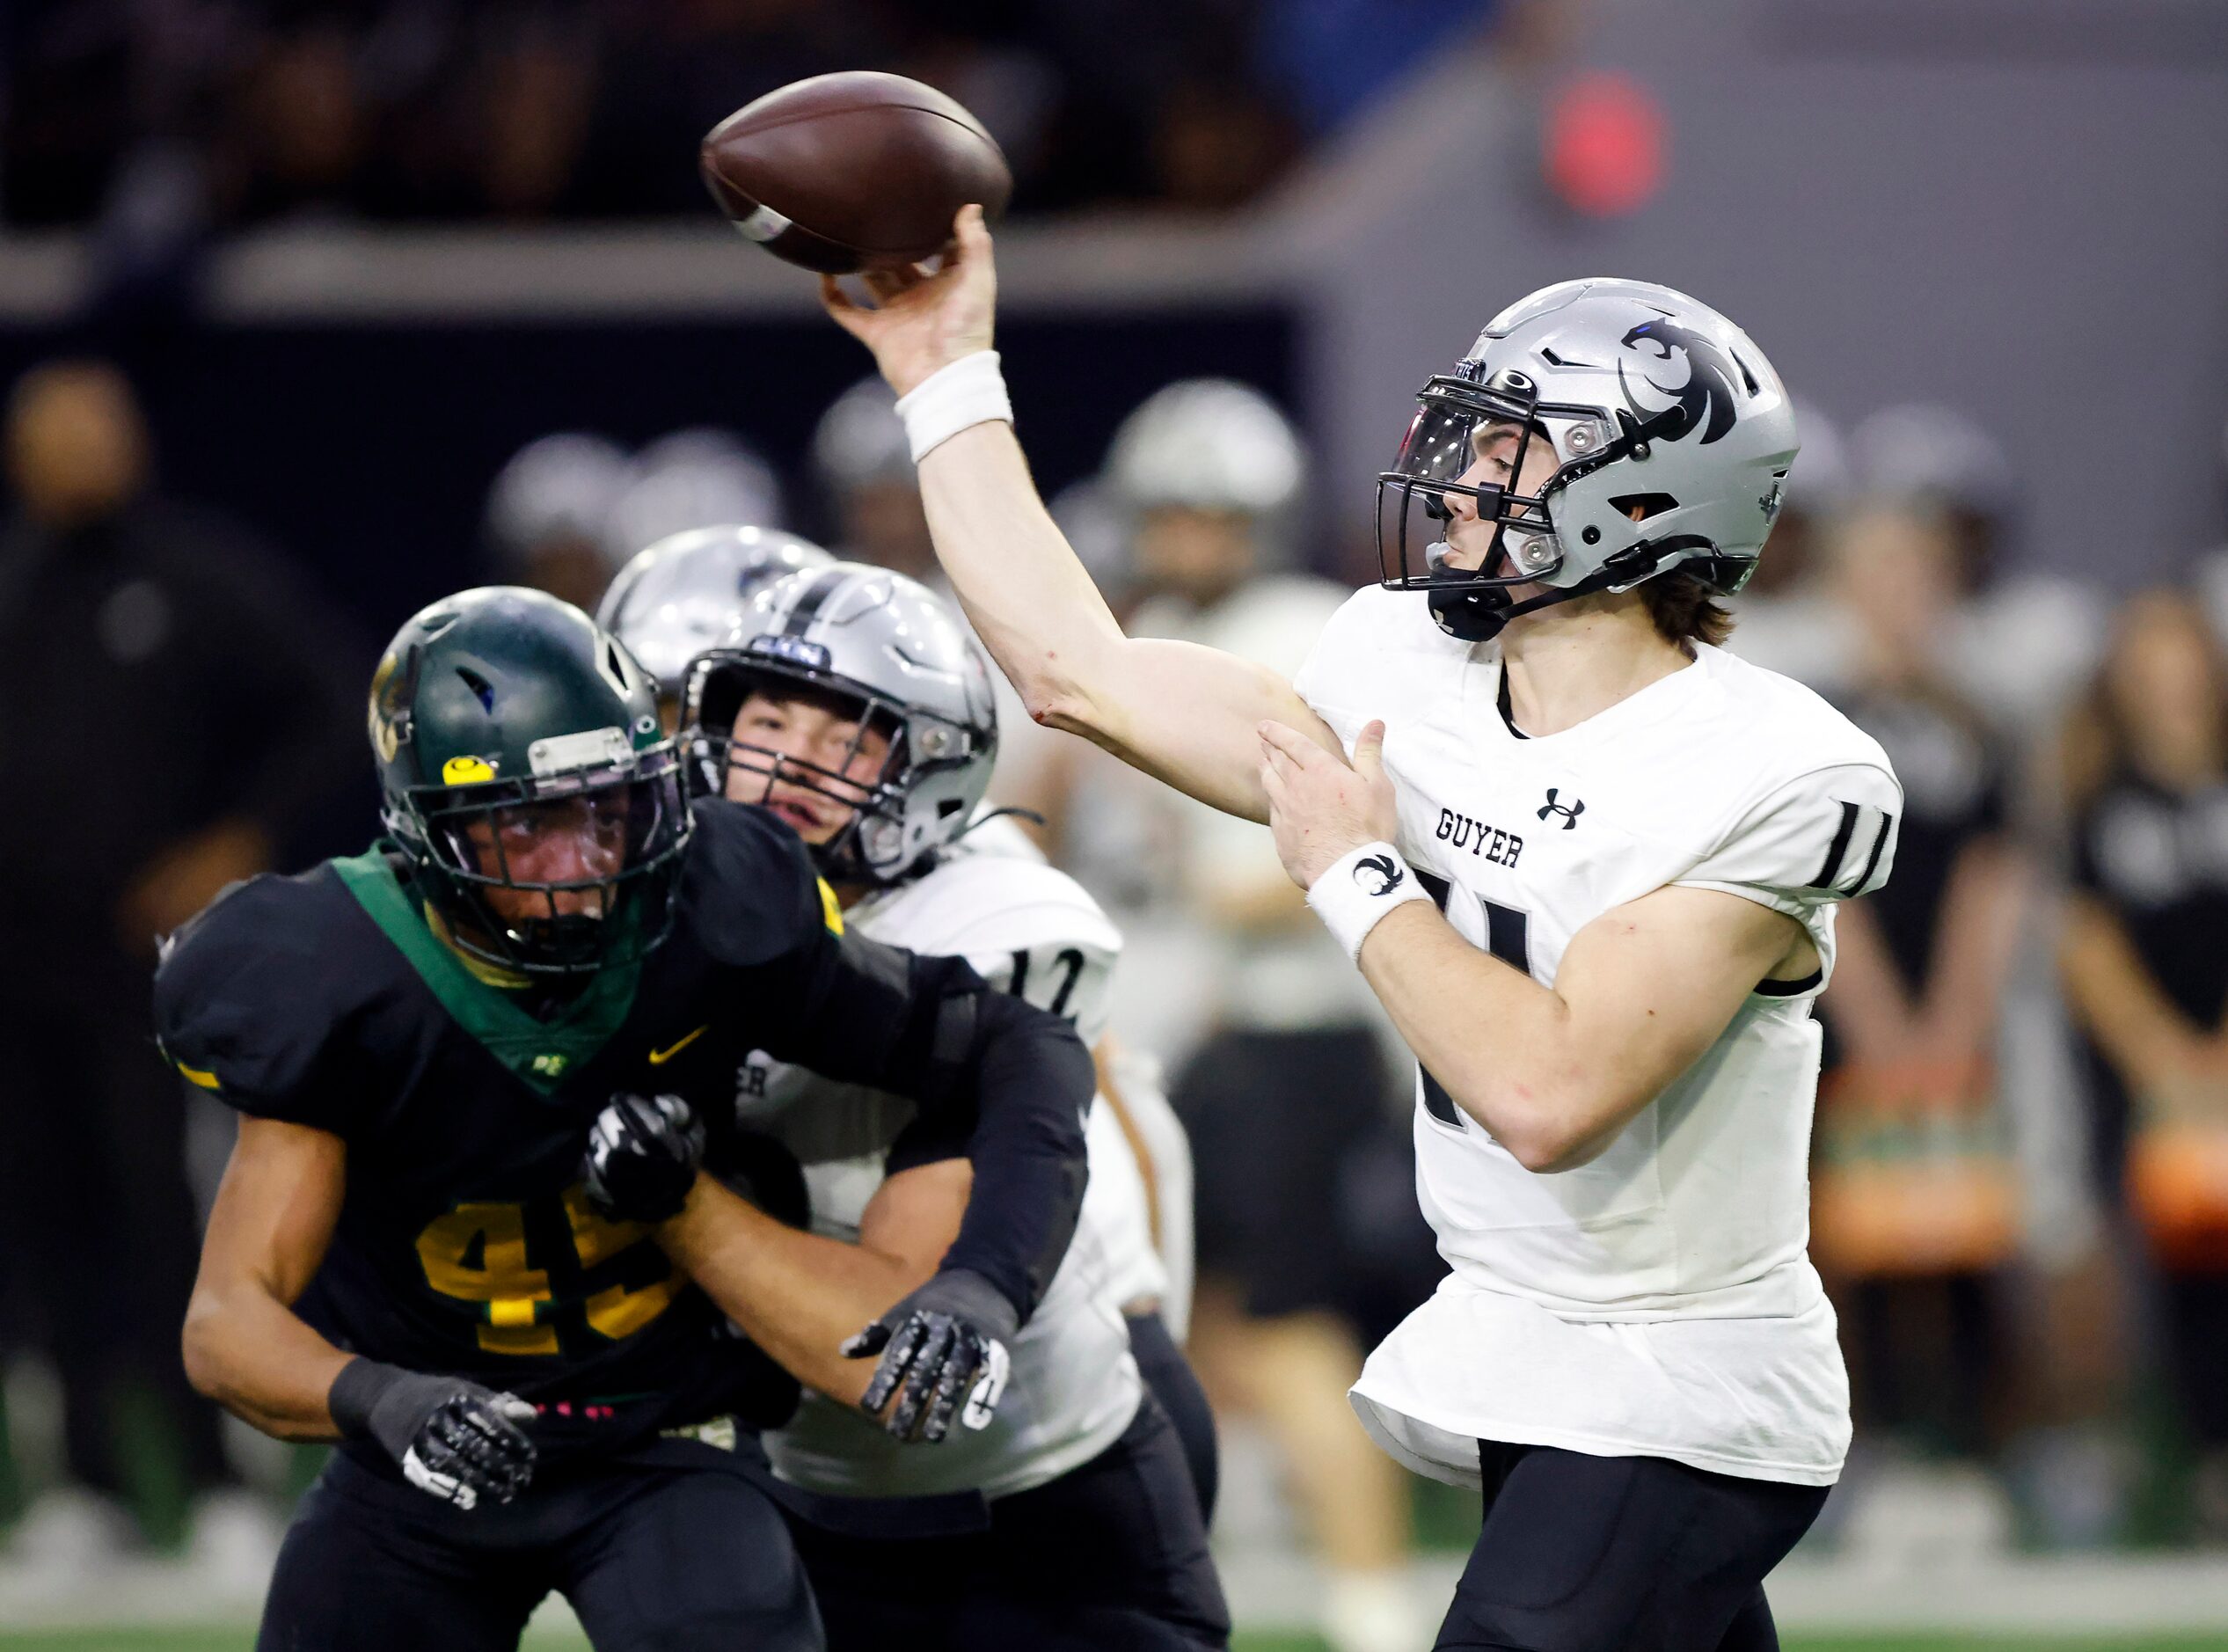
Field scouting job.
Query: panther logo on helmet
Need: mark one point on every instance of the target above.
(1706, 399)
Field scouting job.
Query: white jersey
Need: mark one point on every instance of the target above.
(1657, 1301)
(1031, 931)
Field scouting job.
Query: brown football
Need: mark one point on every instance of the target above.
(851, 172)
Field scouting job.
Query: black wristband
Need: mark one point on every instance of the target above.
(361, 1385)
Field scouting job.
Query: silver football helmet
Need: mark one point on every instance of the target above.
(1671, 436)
(892, 649)
(691, 479)
(684, 594)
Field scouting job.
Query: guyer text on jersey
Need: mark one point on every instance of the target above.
(1464, 831)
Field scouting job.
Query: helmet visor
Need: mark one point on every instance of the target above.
(1454, 511)
(555, 874)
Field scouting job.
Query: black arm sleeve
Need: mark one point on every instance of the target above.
(1021, 1116)
(999, 1080)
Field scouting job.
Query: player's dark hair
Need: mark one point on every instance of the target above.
(1685, 610)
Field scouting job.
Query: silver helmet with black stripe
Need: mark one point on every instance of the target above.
(683, 594)
(894, 660)
(1669, 438)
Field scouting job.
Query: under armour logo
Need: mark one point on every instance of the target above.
(1379, 874)
(1569, 812)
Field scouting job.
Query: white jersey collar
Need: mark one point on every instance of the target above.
(1662, 698)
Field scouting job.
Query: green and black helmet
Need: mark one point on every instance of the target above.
(526, 778)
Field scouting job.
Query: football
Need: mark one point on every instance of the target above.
(853, 171)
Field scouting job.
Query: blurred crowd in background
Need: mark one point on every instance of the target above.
(235, 113)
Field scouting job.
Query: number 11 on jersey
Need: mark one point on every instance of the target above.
(1508, 937)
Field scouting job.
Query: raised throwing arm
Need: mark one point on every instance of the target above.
(1180, 712)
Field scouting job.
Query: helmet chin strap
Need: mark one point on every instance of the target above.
(1479, 613)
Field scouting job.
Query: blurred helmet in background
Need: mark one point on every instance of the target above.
(896, 652)
(548, 511)
(860, 441)
(865, 467)
(684, 594)
(1820, 481)
(1672, 438)
(1206, 474)
(692, 478)
(1206, 445)
(1819, 488)
(1923, 455)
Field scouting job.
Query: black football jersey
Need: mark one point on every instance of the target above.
(2158, 860)
(1955, 784)
(464, 1244)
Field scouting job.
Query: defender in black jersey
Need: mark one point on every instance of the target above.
(403, 1254)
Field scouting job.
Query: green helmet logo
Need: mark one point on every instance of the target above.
(525, 775)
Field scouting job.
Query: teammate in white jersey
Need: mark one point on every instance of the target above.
(680, 597)
(849, 701)
(1640, 841)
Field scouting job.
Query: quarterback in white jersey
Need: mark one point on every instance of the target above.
(1586, 861)
(849, 701)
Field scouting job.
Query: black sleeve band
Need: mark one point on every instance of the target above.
(1032, 1084)
(362, 1384)
(998, 1080)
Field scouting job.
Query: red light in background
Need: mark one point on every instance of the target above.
(1604, 151)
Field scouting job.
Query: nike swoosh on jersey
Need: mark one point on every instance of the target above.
(659, 1057)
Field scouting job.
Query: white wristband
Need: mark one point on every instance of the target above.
(967, 392)
(1360, 887)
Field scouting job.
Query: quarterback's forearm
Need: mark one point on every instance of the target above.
(1556, 1073)
(1030, 599)
(1183, 713)
(1497, 1040)
(799, 1296)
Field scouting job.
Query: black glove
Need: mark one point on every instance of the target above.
(642, 1156)
(944, 1340)
(454, 1438)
